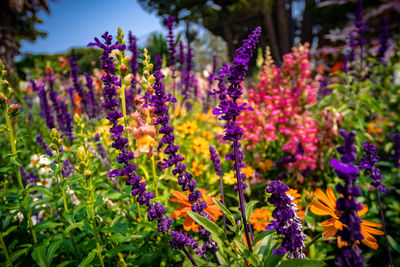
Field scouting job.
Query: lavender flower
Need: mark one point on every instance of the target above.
(287, 223)
(44, 105)
(347, 205)
(67, 168)
(229, 109)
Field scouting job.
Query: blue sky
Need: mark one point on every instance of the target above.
(74, 23)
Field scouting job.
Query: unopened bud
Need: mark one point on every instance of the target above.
(128, 78)
(123, 68)
(127, 59)
(87, 173)
(14, 108)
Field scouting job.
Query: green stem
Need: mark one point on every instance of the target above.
(154, 175)
(121, 258)
(13, 147)
(14, 152)
(315, 239)
(4, 247)
(96, 234)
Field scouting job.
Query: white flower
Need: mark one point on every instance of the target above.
(43, 160)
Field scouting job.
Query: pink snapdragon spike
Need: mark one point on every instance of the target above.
(281, 102)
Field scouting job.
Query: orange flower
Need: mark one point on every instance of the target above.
(326, 205)
(260, 218)
(296, 200)
(182, 210)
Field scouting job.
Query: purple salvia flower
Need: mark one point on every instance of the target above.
(347, 205)
(383, 40)
(158, 63)
(218, 169)
(229, 109)
(45, 110)
(92, 105)
(29, 177)
(169, 23)
(396, 149)
(286, 223)
(155, 211)
(53, 95)
(67, 168)
(185, 179)
(133, 63)
(44, 146)
(77, 86)
(68, 120)
(368, 164)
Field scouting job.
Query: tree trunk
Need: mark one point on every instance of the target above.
(8, 44)
(273, 44)
(283, 25)
(306, 24)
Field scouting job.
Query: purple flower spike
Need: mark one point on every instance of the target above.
(286, 222)
(347, 205)
(44, 105)
(229, 109)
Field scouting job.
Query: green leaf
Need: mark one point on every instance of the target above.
(262, 235)
(393, 244)
(209, 226)
(225, 211)
(65, 263)
(302, 263)
(245, 252)
(39, 256)
(271, 259)
(51, 250)
(9, 230)
(114, 251)
(73, 226)
(119, 238)
(15, 255)
(249, 209)
(45, 225)
(264, 245)
(88, 259)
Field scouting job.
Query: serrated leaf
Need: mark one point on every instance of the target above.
(250, 208)
(209, 226)
(224, 210)
(88, 259)
(302, 263)
(73, 226)
(51, 250)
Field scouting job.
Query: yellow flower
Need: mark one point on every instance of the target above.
(207, 134)
(200, 145)
(197, 168)
(248, 171)
(180, 111)
(145, 144)
(189, 127)
(214, 179)
(201, 117)
(229, 178)
(266, 165)
(326, 206)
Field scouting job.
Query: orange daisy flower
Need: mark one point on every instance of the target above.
(296, 200)
(326, 205)
(260, 218)
(179, 197)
